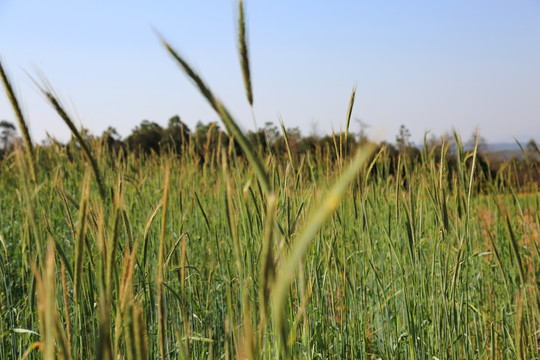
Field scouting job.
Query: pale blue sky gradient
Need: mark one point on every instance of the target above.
(431, 65)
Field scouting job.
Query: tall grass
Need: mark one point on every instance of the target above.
(388, 274)
(263, 257)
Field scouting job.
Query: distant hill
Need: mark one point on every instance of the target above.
(505, 151)
(512, 146)
(502, 151)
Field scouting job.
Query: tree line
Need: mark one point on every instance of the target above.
(205, 139)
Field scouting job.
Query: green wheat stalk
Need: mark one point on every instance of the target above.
(230, 124)
(244, 53)
(315, 221)
(47, 91)
(349, 113)
(28, 146)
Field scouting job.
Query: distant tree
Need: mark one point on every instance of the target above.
(405, 144)
(271, 132)
(259, 140)
(294, 137)
(7, 135)
(309, 144)
(403, 138)
(203, 132)
(112, 139)
(111, 132)
(146, 137)
(209, 138)
(85, 133)
(176, 135)
(327, 145)
(362, 133)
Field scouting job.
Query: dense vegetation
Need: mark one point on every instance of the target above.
(413, 263)
(222, 245)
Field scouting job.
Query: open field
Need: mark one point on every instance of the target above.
(240, 251)
(186, 255)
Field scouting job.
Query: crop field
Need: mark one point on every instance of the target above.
(348, 253)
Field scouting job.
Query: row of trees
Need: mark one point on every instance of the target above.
(149, 137)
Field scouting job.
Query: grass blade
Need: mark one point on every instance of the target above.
(81, 234)
(230, 124)
(349, 113)
(84, 145)
(160, 272)
(314, 223)
(28, 146)
(243, 52)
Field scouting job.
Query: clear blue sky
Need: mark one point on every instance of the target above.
(431, 65)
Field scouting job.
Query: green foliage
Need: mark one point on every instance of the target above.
(146, 137)
(379, 280)
(289, 248)
(151, 137)
(403, 138)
